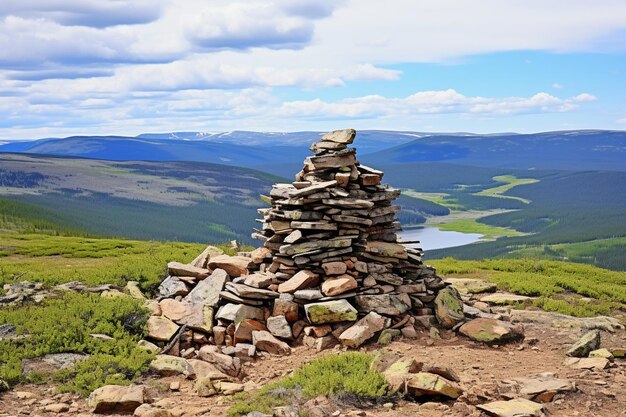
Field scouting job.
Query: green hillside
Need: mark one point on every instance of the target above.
(183, 201)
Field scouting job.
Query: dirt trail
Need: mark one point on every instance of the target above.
(481, 369)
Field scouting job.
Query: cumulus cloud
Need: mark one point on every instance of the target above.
(239, 25)
(198, 61)
(432, 102)
(93, 13)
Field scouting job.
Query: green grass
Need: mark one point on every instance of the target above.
(559, 285)
(331, 375)
(590, 252)
(510, 181)
(472, 226)
(54, 260)
(63, 325)
(443, 199)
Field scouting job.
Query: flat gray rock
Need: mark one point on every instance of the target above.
(208, 290)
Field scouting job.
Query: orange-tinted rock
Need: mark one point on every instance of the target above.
(235, 266)
(338, 285)
(302, 279)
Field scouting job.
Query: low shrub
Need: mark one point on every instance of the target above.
(64, 325)
(330, 375)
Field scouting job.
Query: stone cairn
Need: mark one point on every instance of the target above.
(331, 270)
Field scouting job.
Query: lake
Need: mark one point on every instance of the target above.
(433, 238)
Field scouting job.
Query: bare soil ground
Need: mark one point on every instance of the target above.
(481, 369)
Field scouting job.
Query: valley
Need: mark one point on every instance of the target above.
(544, 207)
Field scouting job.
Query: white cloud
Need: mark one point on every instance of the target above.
(94, 13)
(102, 60)
(557, 86)
(432, 102)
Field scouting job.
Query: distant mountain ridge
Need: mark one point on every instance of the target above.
(569, 150)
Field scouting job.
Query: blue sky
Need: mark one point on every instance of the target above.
(132, 66)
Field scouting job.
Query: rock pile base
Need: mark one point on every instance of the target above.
(331, 270)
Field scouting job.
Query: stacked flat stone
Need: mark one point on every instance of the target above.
(331, 267)
(333, 243)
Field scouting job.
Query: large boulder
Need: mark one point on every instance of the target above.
(449, 307)
(116, 399)
(492, 331)
(589, 342)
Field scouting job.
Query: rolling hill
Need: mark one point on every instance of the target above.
(278, 152)
(185, 201)
(565, 199)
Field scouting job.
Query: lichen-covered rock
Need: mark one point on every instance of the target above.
(601, 353)
(383, 359)
(449, 307)
(425, 383)
(491, 331)
(590, 341)
(334, 311)
(399, 372)
(387, 335)
(388, 304)
(167, 365)
(472, 286)
(116, 399)
(205, 387)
